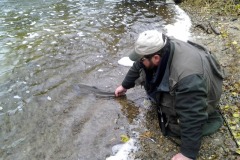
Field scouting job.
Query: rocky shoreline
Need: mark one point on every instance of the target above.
(225, 45)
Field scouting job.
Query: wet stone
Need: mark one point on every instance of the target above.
(149, 15)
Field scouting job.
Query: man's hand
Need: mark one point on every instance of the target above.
(180, 156)
(120, 91)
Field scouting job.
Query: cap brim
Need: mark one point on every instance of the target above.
(134, 56)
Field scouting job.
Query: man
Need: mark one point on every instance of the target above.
(185, 81)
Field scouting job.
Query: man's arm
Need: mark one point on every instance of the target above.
(191, 105)
(129, 80)
(132, 75)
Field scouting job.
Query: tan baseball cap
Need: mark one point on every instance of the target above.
(148, 42)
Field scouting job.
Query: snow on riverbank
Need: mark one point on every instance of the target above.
(124, 151)
(180, 29)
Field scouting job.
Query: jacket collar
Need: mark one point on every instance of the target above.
(164, 85)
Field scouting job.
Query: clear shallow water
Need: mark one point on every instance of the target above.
(46, 47)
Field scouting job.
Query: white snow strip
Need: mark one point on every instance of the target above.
(124, 151)
(180, 29)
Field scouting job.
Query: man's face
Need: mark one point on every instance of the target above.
(151, 62)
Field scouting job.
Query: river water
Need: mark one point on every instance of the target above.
(46, 48)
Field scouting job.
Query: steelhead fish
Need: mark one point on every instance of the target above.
(86, 89)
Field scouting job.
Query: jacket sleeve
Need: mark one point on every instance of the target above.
(132, 75)
(191, 105)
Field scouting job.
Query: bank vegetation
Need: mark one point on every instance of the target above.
(220, 7)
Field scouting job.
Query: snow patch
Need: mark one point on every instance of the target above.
(49, 98)
(125, 61)
(124, 151)
(180, 29)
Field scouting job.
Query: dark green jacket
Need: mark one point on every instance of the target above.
(188, 93)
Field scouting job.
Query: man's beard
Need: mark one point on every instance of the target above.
(151, 66)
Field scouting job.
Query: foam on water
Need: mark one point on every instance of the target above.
(49, 30)
(32, 35)
(24, 42)
(17, 97)
(1, 56)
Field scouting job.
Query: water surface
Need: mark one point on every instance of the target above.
(46, 47)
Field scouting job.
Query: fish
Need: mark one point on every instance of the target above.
(83, 89)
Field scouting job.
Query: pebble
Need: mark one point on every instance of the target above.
(65, 111)
(149, 15)
(122, 128)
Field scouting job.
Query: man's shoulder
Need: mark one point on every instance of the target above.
(186, 60)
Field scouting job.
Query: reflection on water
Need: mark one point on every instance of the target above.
(129, 109)
(46, 46)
